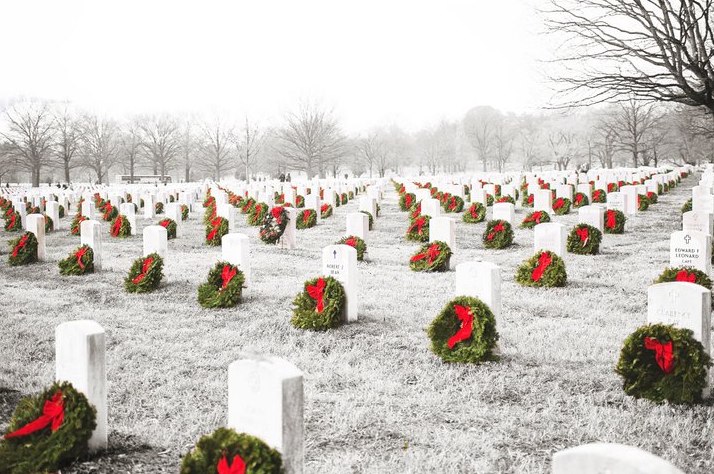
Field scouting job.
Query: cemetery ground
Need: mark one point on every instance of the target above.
(376, 398)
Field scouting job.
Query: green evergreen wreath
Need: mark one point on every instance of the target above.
(224, 287)
(170, 226)
(145, 274)
(184, 212)
(453, 204)
(355, 242)
(274, 225)
(489, 200)
(13, 221)
(371, 219)
(614, 222)
(308, 314)
(561, 206)
(325, 211)
(406, 201)
(23, 250)
(544, 269)
(685, 274)
(431, 257)
(678, 379)
(109, 212)
(258, 213)
(642, 202)
(76, 224)
(259, 458)
(660, 188)
(535, 218)
(209, 214)
(418, 229)
(652, 197)
(584, 239)
(599, 196)
(450, 338)
(299, 201)
(78, 262)
(46, 450)
(508, 199)
(528, 200)
(49, 224)
(60, 211)
(498, 234)
(215, 230)
(306, 219)
(344, 198)
(247, 206)
(687, 206)
(159, 208)
(475, 213)
(120, 227)
(580, 200)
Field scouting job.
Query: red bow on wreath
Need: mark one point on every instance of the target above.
(236, 467)
(79, 254)
(496, 229)
(530, 198)
(682, 275)
(663, 353)
(418, 223)
(452, 204)
(52, 416)
(316, 292)
(408, 201)
(13, 220)
(583, 234)
(535, 217)
(117, 226)
(467, 322)
(305, 216)
(144, 269)
(431, 253)
(323, 208)
(596, 194)
(215, 223)
(164, 223)
(544, 262)
(473, 212)
(227, 275)
(352, 242)
(578, 198)
(276, 212)
(558, 203)
(610, 219)
(20, 245)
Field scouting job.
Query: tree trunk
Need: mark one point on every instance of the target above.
(188, 173)
(36, 176)
(66, 172)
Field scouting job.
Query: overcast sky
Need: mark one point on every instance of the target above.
(374, 61)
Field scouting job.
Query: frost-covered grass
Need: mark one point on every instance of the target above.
(376, 399)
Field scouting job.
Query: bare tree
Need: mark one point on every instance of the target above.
(371, 148)
(215, 147)
(68, 140)
(529, 134)
(653, 49)
(161, 138)
(478, 127)
(634, 119)
(503, 137)
(6, 162)
(311, 140)
(249, 144)
(187, 148)
(563, 146)
(605, 143)
(436, 147)
(99, 145)
(130, 148)
(30, 136)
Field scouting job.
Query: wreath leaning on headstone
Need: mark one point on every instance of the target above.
(13, 220)
(319, 307)
(49, 223)
(47, 431)
(453, 204)
(371, 219)
(643, 203)
(544, 269)
(561, 206)
(418, 229)
(661, 363)
(224, 287)
(464, 331)
(306, 219)
(145, 274)
(535, 218)
(215, 230)
(325, 211)
(79, 262)
(23, 250)
(406, 200)
(580, 200)
(475, 213)
(498, 234)
(274, 225)
(599, 196)
(227, 452)
(357, 243)
(170, 226)
(75, 228)
(184, 212)
(614, 222)
(120, 227)
(159, 208)
(685, 274)
(257, 214)
(431, 257)
(584, 239)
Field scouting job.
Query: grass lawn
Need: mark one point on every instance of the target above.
(376, 398)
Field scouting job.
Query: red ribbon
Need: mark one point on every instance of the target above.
(13, 220)
(558, 203)
(323, 208)
(52, 416)
(79, 254)
(431, 253)
(583, 234)
(144, 269)
(496, 229)
(20, 245)
(543, 262)
(611, 222)
(682, 275)
(352, 242)
(316, 292)
(530, 198)
(408, 201)
(117, 226)
(418, 223)
(236, 467)
(535, 217)
(215, 223)
(227, 275)
(276, 212)
(164, 223)
(305, 216)
(578, 198)
(596, 194)
(663, 353)
(452, 204)
(474, 214)
(467, 322)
